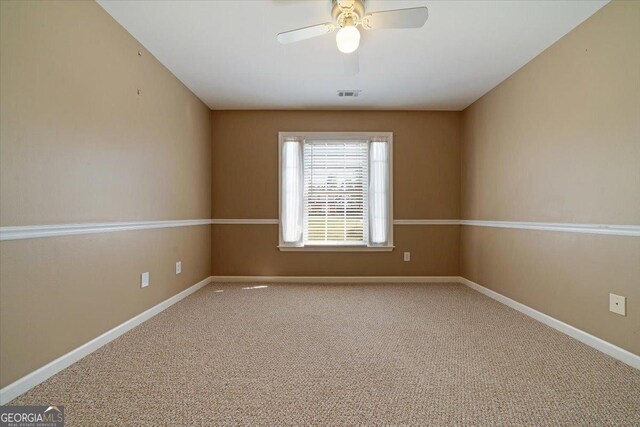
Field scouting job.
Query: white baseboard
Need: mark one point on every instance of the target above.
(336, 279)
(29, 381)
(582, 336)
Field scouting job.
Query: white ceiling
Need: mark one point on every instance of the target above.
(226, 51)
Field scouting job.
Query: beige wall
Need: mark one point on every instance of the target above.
(559, 141)
(250, 250)
(78, 144)
(426, 185)
(59, 293)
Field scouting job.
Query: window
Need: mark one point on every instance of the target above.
(335, 191)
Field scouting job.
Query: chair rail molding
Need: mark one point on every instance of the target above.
(245, 221)
(39, 231)
(609, 229)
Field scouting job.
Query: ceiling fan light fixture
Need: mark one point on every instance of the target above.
(348, 39)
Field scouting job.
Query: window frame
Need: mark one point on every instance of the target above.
(337, 136)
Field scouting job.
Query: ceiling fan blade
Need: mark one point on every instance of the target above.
(305, 33)
(414, 17)
(351, 63)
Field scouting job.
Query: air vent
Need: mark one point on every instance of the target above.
(349, 93)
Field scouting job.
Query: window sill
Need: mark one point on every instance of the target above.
(336, 248)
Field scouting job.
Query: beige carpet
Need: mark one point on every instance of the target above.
(343, 355)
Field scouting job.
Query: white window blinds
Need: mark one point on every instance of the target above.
(336, 181)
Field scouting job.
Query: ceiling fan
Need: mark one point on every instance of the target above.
(347, 16)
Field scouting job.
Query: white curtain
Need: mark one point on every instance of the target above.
(378, 191)
(291, 192)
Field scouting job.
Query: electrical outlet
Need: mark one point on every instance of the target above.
(407, 256)
(144, 280)
(178, 267)
(618, 304)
